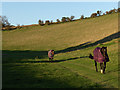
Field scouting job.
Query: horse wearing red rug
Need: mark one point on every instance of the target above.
(100, 56)
(51, 54)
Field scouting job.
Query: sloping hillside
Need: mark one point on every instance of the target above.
(62, 35)
(25, 63)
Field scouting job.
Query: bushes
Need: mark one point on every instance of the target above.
(93, 15)
(63, 19)
(82, 17)
(72, 17)
(112, 11)
(47, 22)
(118, 10)
(58, 21)
(99, 13)
(69, 19)
(40, 22)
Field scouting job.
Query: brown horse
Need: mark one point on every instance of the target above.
(101, 56)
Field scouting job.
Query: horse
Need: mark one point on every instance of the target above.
(50, 55)
(100, 56)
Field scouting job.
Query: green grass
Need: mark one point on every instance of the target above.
(60, 36)
(26, 65)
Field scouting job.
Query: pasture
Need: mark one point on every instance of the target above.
(26, 64)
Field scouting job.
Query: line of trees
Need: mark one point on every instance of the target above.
(64, 19)
(69, 19)
(7, 26)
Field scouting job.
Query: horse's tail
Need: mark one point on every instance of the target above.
(90, 56)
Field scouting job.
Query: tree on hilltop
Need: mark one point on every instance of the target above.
(94, 15)
(47, 22)
(99, 12)
(68, 19)
(40, 22)
(82, 17)
(58, 21)
(63, 19)
(4, 21)
(72, 17)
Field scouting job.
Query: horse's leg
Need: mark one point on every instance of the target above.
(52, 59)
(101, 67)
(96, 66)
(104, 67)
(49, 59)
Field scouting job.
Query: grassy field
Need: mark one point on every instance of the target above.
(26, 65)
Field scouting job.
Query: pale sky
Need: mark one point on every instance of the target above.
(26, 13)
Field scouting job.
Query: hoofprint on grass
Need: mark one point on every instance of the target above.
(100, 56)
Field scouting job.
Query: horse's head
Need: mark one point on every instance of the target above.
(104, 53)
(52, 52)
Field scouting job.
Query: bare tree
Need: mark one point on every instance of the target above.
(5, 21)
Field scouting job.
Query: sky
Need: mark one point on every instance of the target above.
(27, 13)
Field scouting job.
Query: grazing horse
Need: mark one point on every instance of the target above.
(51, 54)
(100, 56)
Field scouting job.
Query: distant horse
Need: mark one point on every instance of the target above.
(100, 56)
(51, 54)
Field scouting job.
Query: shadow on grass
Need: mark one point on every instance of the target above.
(28, 81)
(39, 77)
(22, 56)
(16, 56)
(47, 61)
(24, 76)
(84, 57)
(88, 44)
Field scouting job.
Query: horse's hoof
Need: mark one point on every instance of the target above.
(101, 71)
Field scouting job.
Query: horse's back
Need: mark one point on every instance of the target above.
(50, 54)
(98, 55)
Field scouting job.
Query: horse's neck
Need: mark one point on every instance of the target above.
(104, 53)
